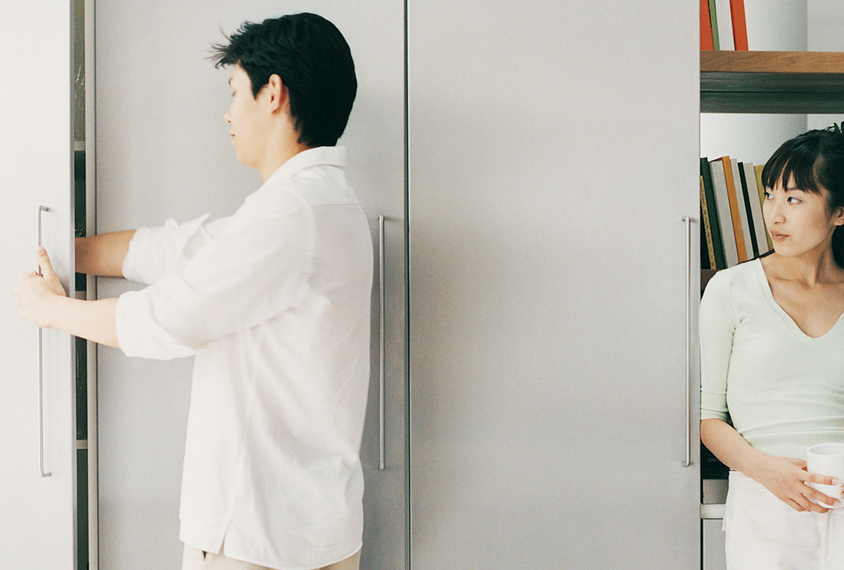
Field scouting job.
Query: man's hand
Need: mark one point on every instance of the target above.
(35, 292)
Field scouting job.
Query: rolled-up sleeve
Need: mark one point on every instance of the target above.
(717, 327)
(154, 252)
(253, 269)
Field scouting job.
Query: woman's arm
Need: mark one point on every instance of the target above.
(784, 477)
(103, 255)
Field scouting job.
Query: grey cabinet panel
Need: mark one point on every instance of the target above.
(713, 545)
(552, 157)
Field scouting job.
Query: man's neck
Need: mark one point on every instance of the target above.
(275, 160)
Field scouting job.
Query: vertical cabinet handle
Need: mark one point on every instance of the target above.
(687, 460)
(381, 344)
(44, 473)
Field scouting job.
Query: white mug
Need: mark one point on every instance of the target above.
(827, 459)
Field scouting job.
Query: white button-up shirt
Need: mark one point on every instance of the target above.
(274, 303)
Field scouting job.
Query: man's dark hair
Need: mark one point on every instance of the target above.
(312, 59)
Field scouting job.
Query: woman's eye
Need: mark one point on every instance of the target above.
(793, 200)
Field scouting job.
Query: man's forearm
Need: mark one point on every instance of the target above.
(91, 320)
(103, 255)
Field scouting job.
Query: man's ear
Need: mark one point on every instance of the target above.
(277, 93)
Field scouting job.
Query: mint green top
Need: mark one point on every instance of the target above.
(783, 390)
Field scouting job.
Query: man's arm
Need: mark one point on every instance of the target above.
(42, 301)
(103, 255)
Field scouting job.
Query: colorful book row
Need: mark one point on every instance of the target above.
(733, 227)
(723, 25)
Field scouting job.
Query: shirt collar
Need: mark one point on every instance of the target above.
(319, 156)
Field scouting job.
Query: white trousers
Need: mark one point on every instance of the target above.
(763, 533)
(195, 559)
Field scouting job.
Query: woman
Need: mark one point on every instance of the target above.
(772, 365)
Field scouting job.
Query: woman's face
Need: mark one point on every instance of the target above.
(799, 222)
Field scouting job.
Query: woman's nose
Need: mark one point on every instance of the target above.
(775, 212)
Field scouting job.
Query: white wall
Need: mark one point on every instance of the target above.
(825, 22)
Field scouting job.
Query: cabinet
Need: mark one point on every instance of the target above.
(539, 242)
(37, 419)
(763, 82)
(551, 149)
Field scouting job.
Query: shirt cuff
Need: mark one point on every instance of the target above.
(139, 335)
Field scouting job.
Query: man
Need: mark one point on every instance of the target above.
(272, 301)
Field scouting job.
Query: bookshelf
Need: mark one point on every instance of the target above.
(771, 82)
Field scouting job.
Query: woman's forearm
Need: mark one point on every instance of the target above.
(103, 254)
(729, 446)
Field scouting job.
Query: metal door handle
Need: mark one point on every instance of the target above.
(382, 463)
(41, 371)
(687, 461)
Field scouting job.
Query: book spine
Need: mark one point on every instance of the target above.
(705, 27)
(707, 228)
(756, 208)
(725, 27)
(709, 190)
(739, 22)
(744, 197)
(735, 212)
(722, 203)
(713, 22)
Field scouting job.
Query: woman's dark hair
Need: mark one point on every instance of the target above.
(312, 59)
(814, 160)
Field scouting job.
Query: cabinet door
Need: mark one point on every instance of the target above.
(37, 515)
(164, 151)
(552, 158)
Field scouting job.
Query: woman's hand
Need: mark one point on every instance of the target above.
(787, 478)
(35, 292)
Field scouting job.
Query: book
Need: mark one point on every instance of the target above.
(736, 209)
(707, 247)
(755, 209)
(744, 214)
(725, 217)
(705, 27)
(737, 19)
(713, 22)
(761, 187)
(712, 209)
(744, 196)
(725, 26)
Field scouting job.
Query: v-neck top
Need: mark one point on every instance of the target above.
(782, 389)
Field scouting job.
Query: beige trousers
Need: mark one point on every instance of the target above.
(763, 533)
(195, 559)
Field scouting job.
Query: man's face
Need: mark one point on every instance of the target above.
(248, 122)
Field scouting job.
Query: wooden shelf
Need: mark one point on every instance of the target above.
(771, 82)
